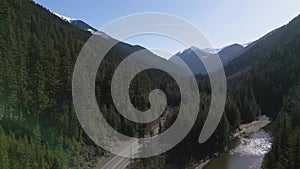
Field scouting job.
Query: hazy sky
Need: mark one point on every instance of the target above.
(223, 21)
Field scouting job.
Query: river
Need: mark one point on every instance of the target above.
(248, 152)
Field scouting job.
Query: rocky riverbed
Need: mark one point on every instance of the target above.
(253, 143)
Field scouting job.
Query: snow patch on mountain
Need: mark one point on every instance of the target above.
(65, 18)
(211, 50)
(82, 25)
(247, 44)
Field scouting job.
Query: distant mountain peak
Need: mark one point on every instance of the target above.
(82, 25)
(190, 57)
(193, 48)
(65, 18)
(211, 50)
(235, 45)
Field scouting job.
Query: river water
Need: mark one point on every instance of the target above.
(247, 154)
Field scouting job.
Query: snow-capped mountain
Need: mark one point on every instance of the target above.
(79, 23)
(217, 50)
(82, 25)
(247, 44)
(211, 50)
(190, 57)
(67, 19)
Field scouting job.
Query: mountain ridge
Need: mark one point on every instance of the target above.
(78, 23)
(262, 47)
(190, 57)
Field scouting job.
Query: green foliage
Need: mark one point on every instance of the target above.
(157, 162)
(189, 148)
(286, 145)
(31, 154)
(39, 128)
(4, 161)
(233, 113)
(37, 53)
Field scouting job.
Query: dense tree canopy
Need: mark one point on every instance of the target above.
(38, 125)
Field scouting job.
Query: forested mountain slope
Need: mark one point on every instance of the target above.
(38, 126)
(261, 89)
(263, 47)
(274, 81)
(38, 52)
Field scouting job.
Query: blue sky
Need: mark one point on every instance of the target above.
(223, 21)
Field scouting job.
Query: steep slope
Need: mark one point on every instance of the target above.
(274, 76)
(231, 52)
(82, 25)
(263, 47)
(38, 51)
(274, 80)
